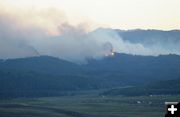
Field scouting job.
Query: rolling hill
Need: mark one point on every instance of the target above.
(47, 76)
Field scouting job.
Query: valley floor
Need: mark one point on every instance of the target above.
(86, 106)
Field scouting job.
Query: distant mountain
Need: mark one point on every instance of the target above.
(168, 87)
(146, 37)
(145, 42)
(47, 76)
(149, 37)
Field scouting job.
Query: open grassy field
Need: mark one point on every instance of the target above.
(86, 106)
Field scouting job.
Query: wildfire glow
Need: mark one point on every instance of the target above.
(112, 53)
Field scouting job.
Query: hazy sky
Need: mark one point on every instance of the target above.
(67, 28)
(123, 14)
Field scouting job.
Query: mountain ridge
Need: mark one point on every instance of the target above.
(49, 76)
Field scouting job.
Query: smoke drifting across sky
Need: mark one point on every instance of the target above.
(48, 32)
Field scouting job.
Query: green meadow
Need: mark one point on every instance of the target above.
(86, 106)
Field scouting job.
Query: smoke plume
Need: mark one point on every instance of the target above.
(49, 33)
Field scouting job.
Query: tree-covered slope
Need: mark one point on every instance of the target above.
(37, 76)
(168, 87)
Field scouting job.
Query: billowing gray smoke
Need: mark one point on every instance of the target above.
(72, 43)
